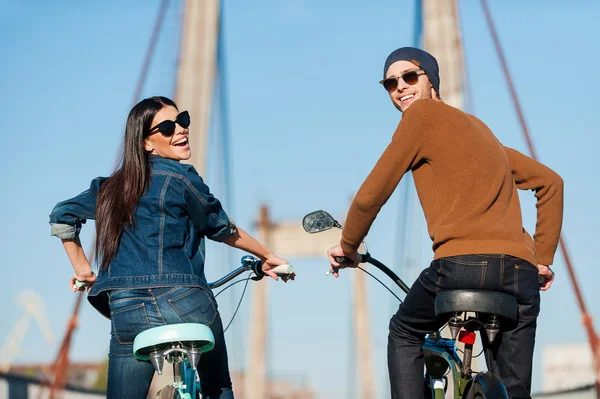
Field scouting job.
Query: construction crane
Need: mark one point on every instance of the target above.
(33, 308)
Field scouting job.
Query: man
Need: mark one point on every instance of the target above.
(467, 184)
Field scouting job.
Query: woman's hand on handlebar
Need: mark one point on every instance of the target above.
(333, 252)
(271, 262)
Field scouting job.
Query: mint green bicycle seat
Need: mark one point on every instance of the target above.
(199, 335)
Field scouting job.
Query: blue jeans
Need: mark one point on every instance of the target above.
(136, 310)
(510, 357)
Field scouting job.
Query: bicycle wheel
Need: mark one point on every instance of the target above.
(169, 392)
(485, 385)
(477, 392)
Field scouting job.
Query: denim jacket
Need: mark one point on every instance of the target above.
(165, 246)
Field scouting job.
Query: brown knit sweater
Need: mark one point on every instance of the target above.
(467, 184)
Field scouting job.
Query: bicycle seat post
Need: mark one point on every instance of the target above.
(177, 370)
(467, 337)
(467, 359)
(455, 324)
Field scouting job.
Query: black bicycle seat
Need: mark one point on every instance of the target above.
(490, 302)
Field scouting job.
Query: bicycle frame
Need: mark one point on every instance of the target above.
(186, 379)
(440, 354)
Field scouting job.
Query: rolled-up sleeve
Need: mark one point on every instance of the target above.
(68, 216)
(205, 210)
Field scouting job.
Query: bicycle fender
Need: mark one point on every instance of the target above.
(491, 385)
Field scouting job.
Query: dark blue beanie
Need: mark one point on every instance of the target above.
(420, 58)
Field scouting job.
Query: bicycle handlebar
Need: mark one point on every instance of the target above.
(367, 258)
(250, 263)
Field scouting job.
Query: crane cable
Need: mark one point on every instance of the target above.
(587, 319)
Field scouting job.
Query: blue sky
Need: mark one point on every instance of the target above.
(308, 122)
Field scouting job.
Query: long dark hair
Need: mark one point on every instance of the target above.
(121, 192)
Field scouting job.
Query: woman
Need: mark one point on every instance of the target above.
(152, 216)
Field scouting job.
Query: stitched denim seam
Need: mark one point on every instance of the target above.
(116, 291)
(160, 314)
(162, 224)
(466, 263)
(170, 174)
(143, 306)
(528, 268)
(156, 304)
(501, 280)
(215, 309)
(165, 293)
(199, 196)
(195, 192)
(132, 307)
(483, 273)
(439, 279)
(138, 298)
(189, 293)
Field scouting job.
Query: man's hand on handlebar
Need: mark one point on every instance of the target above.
(548, 274)
(353, 259)
(272, 262)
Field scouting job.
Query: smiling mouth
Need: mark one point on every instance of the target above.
(407, 97)
(181, 142)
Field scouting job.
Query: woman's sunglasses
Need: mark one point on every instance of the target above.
(167, 128)
(411, 78)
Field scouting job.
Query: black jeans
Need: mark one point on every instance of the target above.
(510, 356)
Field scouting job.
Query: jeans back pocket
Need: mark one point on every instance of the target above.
(129, 321)
(194, 305)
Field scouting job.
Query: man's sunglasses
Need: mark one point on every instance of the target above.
(410, 77)
(167, 128)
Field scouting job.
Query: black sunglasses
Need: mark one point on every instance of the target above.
(410, 77)
(167, 128)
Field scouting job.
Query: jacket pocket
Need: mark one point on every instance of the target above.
(129, 322)
(195, 305)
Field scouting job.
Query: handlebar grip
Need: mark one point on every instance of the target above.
(79, 284)
(344, 260)
(282, 270)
